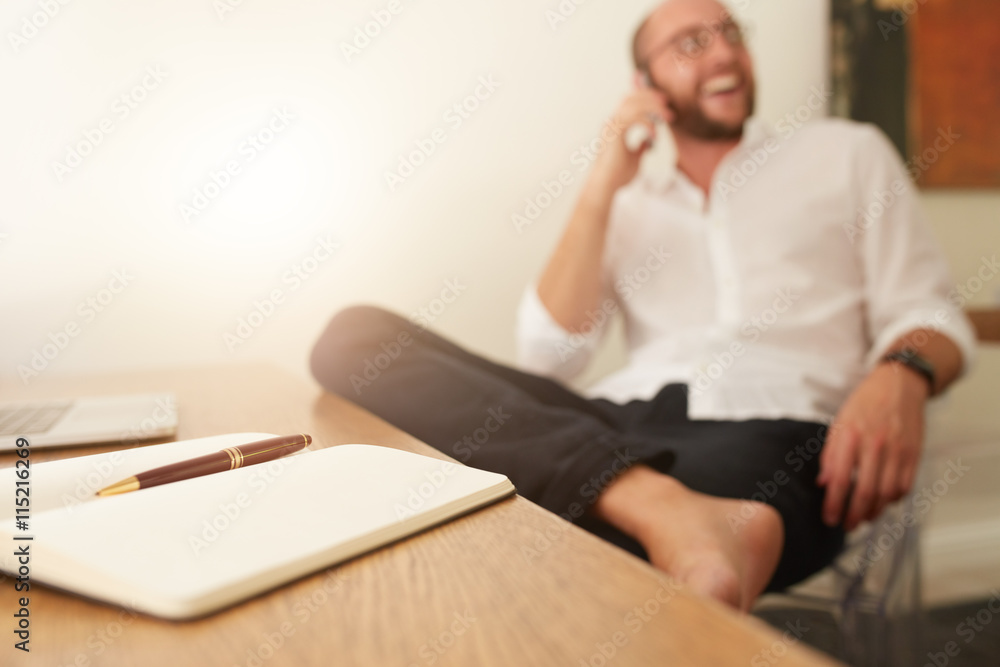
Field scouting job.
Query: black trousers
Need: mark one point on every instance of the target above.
(560, 449)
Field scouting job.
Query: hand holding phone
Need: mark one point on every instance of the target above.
(641, 134)
(644, 114)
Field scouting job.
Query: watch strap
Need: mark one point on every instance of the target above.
(912, 360)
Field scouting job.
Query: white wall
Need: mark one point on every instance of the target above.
(190, 282)
(967, 224)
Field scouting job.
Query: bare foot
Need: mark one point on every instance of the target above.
(721, 548)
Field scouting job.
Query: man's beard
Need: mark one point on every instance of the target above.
(690, 120)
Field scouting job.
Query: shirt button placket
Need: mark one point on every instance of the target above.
(727, 304)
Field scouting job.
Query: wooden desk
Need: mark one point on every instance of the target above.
(461, 594)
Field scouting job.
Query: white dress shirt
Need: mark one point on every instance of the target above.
(777, 295)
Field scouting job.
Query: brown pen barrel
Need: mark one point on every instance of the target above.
(228, 459)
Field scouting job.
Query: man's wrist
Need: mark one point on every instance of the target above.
(599, 187)
(910, 360)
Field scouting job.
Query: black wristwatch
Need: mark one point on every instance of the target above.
(912, 360)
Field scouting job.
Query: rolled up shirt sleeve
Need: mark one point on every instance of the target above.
(908, 283)
(544, 347)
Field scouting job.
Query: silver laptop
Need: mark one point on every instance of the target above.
(83, 421)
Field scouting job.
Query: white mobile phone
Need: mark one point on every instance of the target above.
(638, 134)
(660, 159)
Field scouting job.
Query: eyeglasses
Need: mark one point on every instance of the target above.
(692, 44)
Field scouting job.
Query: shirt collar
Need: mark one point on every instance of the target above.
(656, 178)
(755, 131)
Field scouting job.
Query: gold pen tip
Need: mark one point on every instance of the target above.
(124, 486)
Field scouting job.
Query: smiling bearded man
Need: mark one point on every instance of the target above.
(709, 453)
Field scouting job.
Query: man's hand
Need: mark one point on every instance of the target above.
(572, 282)
(617, 165)
(875, 441)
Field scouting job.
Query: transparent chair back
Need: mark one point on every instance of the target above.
(872, 593)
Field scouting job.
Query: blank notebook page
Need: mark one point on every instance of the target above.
(186, 548)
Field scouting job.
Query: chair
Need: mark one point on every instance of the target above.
(872, 593)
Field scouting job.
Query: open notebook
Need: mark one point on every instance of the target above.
(189, 548)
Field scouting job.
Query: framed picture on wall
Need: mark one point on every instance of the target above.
(928, 73)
